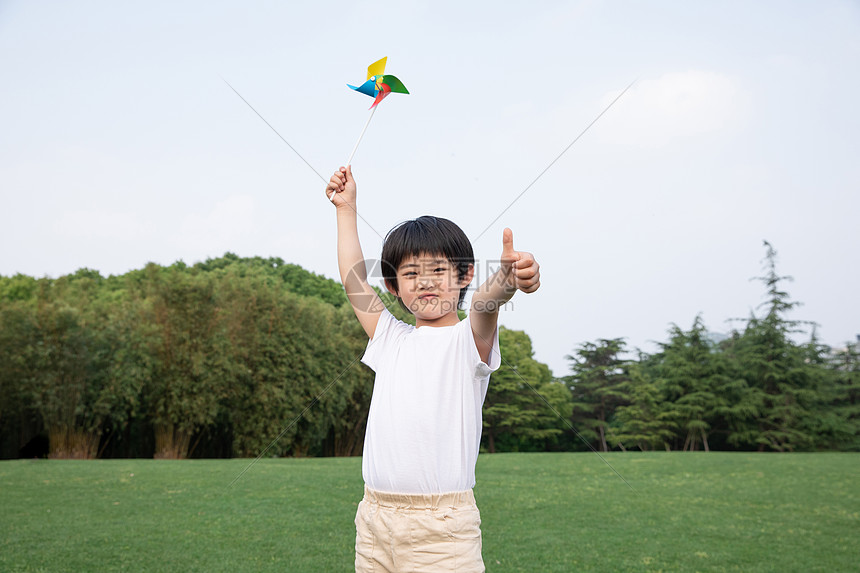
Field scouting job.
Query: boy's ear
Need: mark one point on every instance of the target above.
(391, 288)
(467, 278)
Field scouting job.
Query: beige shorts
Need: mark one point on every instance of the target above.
(415, 533)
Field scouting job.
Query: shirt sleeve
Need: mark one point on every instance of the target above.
(481, 368)
(376, 345)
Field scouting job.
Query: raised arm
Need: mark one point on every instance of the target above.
(519, 271)
(366, 304)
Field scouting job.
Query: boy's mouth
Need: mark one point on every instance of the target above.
(427, 296)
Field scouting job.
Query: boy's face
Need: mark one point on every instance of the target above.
(428, 286)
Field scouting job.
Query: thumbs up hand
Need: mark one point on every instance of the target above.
(519, 267)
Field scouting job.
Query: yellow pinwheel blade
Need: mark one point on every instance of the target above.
(376, 68)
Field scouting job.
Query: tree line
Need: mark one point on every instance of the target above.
(755, 390)
(237, 357)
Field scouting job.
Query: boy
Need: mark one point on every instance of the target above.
(424, 426)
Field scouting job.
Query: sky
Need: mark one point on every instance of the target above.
(121, 144)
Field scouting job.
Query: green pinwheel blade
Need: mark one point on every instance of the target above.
(395, 84)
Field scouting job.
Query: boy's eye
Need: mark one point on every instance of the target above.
(439, 270)
(410, 274)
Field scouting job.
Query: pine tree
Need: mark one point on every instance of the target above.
(840, 418)
(598, 387)
(781, 385)
(689, 375)
(523, 404)
(648, 421)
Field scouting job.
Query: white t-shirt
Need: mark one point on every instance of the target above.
(424, 426)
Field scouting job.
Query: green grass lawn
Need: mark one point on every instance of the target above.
(541, 512)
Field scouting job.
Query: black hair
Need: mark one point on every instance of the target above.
(426, 235)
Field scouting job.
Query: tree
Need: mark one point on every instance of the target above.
(293, 278)
(19, 337)
(780, 384)
(598, 387)
(188, 354)
(647, 421)
(689, 373)
(346, 436)
(76, 378)
(837, 420)
(294, 385)
(846, 399)
(523, 403)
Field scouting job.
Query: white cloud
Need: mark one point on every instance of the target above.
(673, 107)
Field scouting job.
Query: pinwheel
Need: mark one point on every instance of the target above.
(378, 86)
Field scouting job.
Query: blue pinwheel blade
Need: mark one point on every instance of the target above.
(367, 88)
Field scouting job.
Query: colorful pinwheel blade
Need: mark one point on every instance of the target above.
(377, 68)
(367, 88)
(380, 96)
(394, 84)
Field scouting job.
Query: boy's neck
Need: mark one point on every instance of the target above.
(449, 319)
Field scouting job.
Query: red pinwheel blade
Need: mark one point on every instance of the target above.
(381, 95)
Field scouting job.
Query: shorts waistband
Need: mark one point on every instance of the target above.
(419, 501)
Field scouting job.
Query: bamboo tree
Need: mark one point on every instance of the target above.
(183, 390)
(74, 380)
(346, 437)
(294, 381)
(19, 336)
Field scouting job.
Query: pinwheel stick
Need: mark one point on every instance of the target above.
(354, 149)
